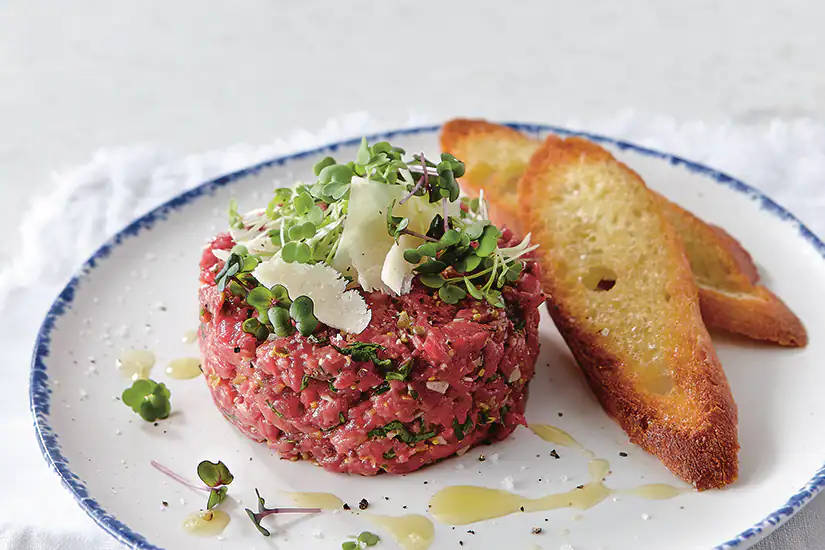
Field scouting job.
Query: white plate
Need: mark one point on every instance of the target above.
(101, 450)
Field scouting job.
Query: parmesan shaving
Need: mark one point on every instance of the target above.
(335, 306)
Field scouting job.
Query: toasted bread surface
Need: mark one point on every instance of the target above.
(496, 157)
(730, 297)
(729, 293)
(623, 297)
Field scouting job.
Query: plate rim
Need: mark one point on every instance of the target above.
(39, 391)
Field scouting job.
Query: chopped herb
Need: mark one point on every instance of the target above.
(304, 382)
(365, 351)
(331, 384)
(149, 399)
(401, 433)
(401, 373)
(381, 388)
(263, 512)
(272, 406)
(461, 429)
(389, 454)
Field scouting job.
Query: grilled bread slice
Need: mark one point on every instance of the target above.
(495, 157)
(729, 295)
(622, 295)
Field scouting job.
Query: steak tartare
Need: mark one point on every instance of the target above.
(432, 371)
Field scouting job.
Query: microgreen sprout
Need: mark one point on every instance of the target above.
(148, 398)
(364, 540)
(216, 476)
(458, 256)
(263, 512)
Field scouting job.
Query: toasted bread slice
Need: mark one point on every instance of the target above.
(496, 157)
(730, 299)
(729, 294)
(622, 295)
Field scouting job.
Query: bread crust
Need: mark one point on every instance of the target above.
(700, 445)
(752, 310)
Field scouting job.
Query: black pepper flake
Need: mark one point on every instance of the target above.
(426, 482)
(471, 531)
(579, 486)
(536, 530)
(539, 456)
(545, 519)
(386, 498)
(346, 506)
(561, 414)
(164, 503)
(521, 508)
(554, 454)
(461, 543)
(482, 458)
(404, 507)
(622, 453)
(363, 504)
(156, 423)
(237, 349)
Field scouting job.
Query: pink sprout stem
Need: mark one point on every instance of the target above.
(424, 181)
(177, 477)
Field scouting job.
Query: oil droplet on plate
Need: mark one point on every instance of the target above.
(184, 368)
(135, 363)
(654, 491)
(206, 523)
(411, 532)
(558, 436)
(324, 501)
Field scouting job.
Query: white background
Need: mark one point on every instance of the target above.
(192, 76)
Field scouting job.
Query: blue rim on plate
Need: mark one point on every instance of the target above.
(39, 391)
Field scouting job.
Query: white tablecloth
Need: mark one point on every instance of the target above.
(90, 202)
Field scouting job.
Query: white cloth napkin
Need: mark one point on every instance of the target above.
(785, 159)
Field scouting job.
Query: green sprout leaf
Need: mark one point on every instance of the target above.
(395, 224)
(260, 298)
(302, 311)
(473, 289)
(149, 399)
(370, 539)
(349, 545)
(216, 496)
(321, 164)
(214, 474)
(255, 328)
(235, 219)
(363, 155)
(488, 241)
(281, 323)
(432, 280)
(451, 294)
